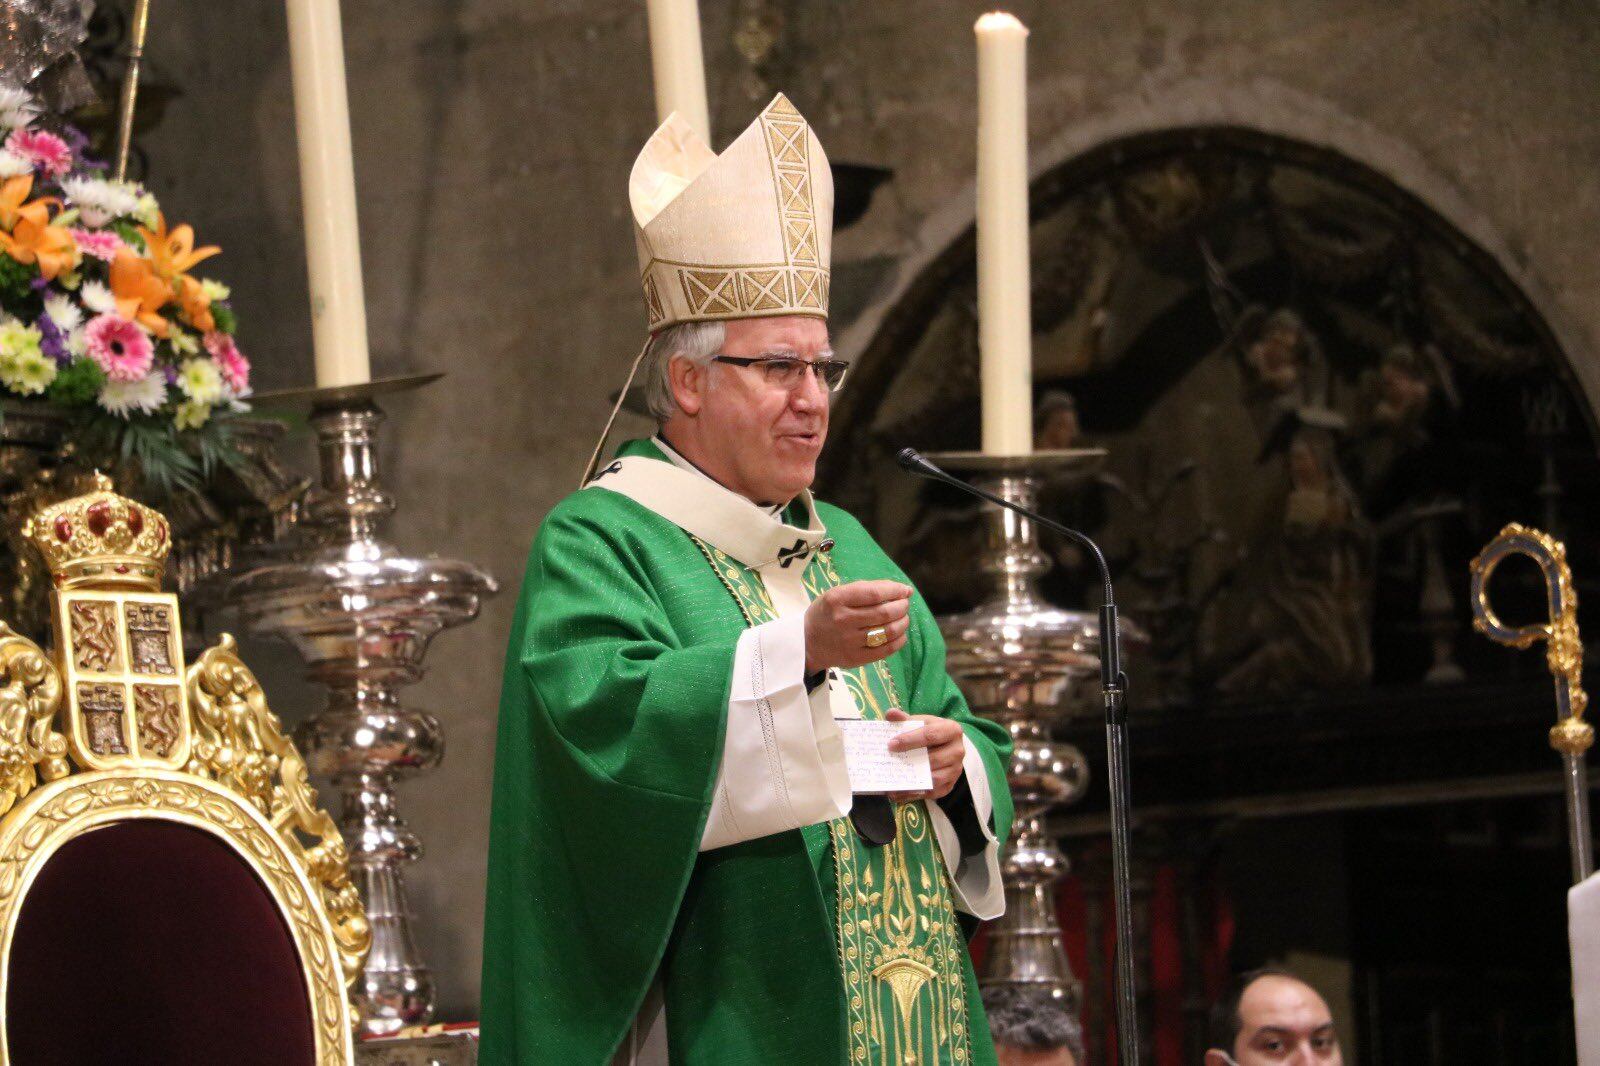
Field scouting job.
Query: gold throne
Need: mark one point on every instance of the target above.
(169, 890)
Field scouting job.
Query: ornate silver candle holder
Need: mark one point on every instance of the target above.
(1021, 661)
(361, 614)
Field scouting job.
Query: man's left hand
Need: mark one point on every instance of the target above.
(946, 744)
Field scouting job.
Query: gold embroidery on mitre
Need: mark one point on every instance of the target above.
(710, 292)
(762, 290)
(652, 301)
(739, 235)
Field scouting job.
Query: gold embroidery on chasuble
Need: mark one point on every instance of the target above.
(900, 949)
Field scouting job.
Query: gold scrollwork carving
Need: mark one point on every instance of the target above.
(70, 807)
(240, 743)
(30, 694)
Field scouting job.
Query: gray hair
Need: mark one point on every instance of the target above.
(1031, 1020)
(695, 341)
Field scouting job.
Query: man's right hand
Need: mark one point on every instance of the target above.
(838, 621)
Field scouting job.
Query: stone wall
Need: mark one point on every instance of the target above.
(493, 140)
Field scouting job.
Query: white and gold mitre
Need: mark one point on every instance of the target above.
(744, 234)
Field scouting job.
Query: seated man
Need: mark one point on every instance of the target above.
(1030, 1029)
(1270, 1017)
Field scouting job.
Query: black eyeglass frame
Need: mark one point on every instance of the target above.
(820, 367)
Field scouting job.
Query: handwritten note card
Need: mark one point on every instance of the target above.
(873, 767)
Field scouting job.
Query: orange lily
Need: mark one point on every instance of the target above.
(14, 204)
(139, 292)
(28, 236)
(172, 254)
(196, 304)
(52, 247)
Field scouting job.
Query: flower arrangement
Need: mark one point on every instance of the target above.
(101, 317)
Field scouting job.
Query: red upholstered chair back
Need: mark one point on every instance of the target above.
(150, 942)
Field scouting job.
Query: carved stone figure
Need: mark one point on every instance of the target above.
(1282, 362)
(1310, 622)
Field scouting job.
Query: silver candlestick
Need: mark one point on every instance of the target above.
(1021, 661)
(362, 614)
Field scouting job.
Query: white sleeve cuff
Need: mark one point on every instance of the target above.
(975, 879)
(782, 757)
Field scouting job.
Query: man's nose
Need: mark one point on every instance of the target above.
(811, 394)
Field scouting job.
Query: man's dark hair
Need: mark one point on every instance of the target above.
(1031, 1020)
(1225, 1020)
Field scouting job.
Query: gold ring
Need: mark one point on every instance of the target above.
(877, 637)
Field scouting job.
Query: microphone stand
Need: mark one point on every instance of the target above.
(1113, 686)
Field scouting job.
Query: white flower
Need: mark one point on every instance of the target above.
(16, 107)
(66, 314)
(97, 298)
(12, 164)
(77, 344)
(214, 290)
(122, 398)
(183, 342)
(147, 211)
(27, 373)
(201, 381)
(101, 202)
(191, 415)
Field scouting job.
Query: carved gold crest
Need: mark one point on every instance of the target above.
(118, 644)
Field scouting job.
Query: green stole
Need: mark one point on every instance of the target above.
(901, 951)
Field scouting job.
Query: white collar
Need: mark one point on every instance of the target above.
(685, 496)
(677, 460)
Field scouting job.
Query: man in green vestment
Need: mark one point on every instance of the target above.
(679, 870)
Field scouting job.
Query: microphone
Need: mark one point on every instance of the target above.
(1112, 687)
(1111, 678)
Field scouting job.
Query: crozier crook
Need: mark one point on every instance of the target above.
(1571, 736)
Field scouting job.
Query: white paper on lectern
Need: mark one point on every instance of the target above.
(873, 767)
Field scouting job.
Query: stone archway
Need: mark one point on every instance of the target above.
(1264, 107)
(1142, 238)
(1324, 382)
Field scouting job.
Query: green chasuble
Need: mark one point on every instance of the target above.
(803, 947)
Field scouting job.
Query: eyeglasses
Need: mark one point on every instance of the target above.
(788, 372)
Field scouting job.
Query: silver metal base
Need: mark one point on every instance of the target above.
(362, 614)
(1024, 662)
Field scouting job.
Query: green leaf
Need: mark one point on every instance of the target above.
(77, 383)
(16, 289)
(129, 232)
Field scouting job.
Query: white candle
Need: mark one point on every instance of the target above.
(680, 70)
(328, 193)
(1004, 324)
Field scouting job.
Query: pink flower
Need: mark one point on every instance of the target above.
(103, 244)
(122, 349)
(234, 366)
(43, 149)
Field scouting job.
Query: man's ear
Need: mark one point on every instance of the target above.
(688, 383)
